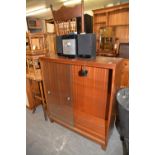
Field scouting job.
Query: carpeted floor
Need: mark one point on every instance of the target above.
(46, 138)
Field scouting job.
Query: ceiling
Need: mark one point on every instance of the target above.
(88, 5)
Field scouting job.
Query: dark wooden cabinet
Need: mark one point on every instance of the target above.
(84, 103)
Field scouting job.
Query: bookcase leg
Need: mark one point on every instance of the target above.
(103, 147)
(51, 120)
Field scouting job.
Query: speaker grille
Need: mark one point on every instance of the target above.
(87, 45)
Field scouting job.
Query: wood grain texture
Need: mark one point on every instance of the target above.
(80, 131)
(29, 94)
(125, 74)
(119, 17)
(115, 85)
(64, 18)
(122, 32)
(51, 43)
(110, 9)
(90, 98)
(91, 110)
(32, 88)
(57, 87)
(36, 43)
(115, 16)
(101, 62)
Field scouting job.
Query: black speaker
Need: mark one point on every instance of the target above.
(87, 45)
(88, 24)
(59, 46)
(124, 50)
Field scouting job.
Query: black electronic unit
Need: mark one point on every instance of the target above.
(87, 45)
(66, 45)
(88, 24)
(59, 48)
(124, 50)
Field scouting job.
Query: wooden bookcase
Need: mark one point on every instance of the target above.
(116, 17)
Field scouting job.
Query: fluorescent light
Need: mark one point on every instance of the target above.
(39, 11)
(35, 8)
(62, 0)
(108, 5)
(72, 2)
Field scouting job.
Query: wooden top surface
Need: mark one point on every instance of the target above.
(100, 61)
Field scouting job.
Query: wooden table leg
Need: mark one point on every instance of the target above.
(34, 109)
(43, 101)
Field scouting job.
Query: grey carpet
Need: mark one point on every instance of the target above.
(46, 138)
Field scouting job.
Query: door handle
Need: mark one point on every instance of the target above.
(49, 92)
(68, 98)
(83, 72)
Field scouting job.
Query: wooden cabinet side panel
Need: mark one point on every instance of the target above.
(125, 74)
(115, 85)
(90, 116)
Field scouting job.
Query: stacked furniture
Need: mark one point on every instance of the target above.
(65, 19)
(35, 48)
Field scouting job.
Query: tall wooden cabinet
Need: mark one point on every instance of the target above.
(80, 94)
(115, 17)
